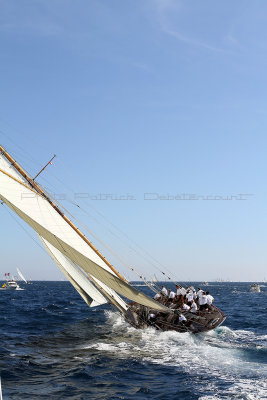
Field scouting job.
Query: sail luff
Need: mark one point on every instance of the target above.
(56, 208)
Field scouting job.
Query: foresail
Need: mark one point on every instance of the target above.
(77, 278)
(43, 218)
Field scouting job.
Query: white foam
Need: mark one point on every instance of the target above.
(218, 353)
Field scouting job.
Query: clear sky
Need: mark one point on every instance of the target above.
(143, 99)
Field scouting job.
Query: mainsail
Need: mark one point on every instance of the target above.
(21, 275)
(28, 201)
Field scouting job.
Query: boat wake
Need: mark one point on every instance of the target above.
(223, 355)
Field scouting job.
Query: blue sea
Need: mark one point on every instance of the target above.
(54, 347)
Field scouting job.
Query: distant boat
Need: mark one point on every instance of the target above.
(255, 287)
(10, 283)
(205, 283)
(22, 277)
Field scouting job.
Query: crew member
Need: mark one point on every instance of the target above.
(164, 291)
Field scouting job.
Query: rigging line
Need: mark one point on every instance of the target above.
(123, 241)
(98, 239)
(29, 139)
(23, 228)
(113, 233)
(106, 246)
(123, 233)
(110, 250)
(19, 147)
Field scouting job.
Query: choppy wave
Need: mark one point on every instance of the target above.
(53, 347)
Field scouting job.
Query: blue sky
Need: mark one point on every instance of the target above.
(154, 96)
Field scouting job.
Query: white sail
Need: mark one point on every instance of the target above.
(48, 223)
(78, 279)
(22, 277)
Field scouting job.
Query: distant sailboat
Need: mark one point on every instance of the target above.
(20, 274)
(91, 274)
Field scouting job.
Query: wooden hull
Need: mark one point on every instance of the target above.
(203, 321)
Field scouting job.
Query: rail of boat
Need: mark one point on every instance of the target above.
(202, 321)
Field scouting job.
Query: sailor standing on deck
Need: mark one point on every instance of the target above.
(171, 294)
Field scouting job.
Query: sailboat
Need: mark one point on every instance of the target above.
(92, 275)
(21, 275)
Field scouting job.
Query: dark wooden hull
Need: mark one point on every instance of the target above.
(202, 321)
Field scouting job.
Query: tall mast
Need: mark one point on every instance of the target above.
(39, 190)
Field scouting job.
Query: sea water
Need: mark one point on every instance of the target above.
(54, 347)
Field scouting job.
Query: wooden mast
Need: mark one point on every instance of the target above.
(43, 194)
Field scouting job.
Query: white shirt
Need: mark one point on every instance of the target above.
(202, 300)
(186, 307)
(157, 296)
(209, 299)
(193, 307)
(164, 291)
(181, 291)
(171, 295)
(182, 318)
(199, 292)
(190, 296)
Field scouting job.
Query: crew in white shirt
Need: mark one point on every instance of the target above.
(199, 292)
(171, 294)
(157, 296)
(186, 307)
(202, 300)
(193, 307)
(164, 291)
(210, 298)
(180, 290)
(190, 295)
